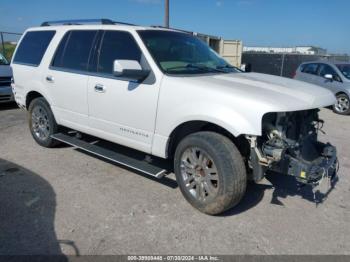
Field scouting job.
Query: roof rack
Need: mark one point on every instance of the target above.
(180, 30)
(102, 21)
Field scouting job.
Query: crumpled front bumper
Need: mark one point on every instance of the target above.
(312, 172)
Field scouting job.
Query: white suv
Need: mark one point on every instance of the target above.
(164, 92)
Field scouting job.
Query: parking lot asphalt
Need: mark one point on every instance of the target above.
(61, 201)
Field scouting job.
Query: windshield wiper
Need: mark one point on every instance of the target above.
(229, 67)
(196, 66)
(225, 66)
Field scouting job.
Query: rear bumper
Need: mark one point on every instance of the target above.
(6, 94)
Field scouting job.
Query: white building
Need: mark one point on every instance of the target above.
(305, 50)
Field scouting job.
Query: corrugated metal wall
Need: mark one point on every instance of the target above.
(231, 50)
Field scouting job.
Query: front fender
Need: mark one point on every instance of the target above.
(217, 114)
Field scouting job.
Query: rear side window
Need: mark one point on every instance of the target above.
(33, 47)
(57, 61)
(117, 45)
(74, 50)
(310, 69)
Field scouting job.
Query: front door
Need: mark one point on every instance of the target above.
(122, 111)
(333, 85)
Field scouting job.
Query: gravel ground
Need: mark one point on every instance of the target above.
(61, 201)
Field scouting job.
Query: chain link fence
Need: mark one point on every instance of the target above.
(8, 43)
(284, 64)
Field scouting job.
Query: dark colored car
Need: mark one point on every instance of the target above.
(6, 94)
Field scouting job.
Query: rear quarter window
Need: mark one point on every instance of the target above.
(33, 47)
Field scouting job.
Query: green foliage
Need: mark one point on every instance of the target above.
(9, 49)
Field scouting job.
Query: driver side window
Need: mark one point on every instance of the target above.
(328, 70)
(117, 45)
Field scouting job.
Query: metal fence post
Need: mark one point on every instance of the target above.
(282, 65)
(3, 44)
(8, 49)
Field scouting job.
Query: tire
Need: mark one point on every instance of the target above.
(42, 123)
(342, 106)
(224, 188)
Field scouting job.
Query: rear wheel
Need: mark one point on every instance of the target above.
(210, 172)
(342, 105)
(42, 123)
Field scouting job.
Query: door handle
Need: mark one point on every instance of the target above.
(50, 79)
(100, 88)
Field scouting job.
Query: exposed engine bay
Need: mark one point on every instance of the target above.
(289, 145)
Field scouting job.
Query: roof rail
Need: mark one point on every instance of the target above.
(102, 21)
(180, 30)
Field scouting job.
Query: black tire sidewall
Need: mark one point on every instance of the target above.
(222, 201)
(49, 142)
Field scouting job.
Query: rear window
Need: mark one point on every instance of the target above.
(33, 47)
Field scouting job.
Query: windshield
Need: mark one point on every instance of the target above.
(345, 70)
(3, 60)
(182, 53)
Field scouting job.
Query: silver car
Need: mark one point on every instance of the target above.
(6, 94)
(333, 76)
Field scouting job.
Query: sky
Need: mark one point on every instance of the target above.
(280, 23)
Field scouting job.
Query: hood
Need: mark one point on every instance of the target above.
(277, 94)
(5, 71)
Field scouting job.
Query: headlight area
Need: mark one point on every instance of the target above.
(289, 145)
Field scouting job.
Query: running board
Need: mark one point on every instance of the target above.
(139, 165)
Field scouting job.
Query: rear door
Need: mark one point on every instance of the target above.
(333, 85)
(67, 77)
(308, 72)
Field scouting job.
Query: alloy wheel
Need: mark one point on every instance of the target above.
(199, 174)
(40, 123)
(342, 104)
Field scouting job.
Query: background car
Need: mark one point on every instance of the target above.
(6, 94)
(333, 76)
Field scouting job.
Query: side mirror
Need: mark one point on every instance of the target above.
(328, 76)
(129, 70)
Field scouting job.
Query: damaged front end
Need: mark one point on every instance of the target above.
(289, 145)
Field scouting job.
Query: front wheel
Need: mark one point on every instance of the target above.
(42, 123)
(210, 172)
(342, 106)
